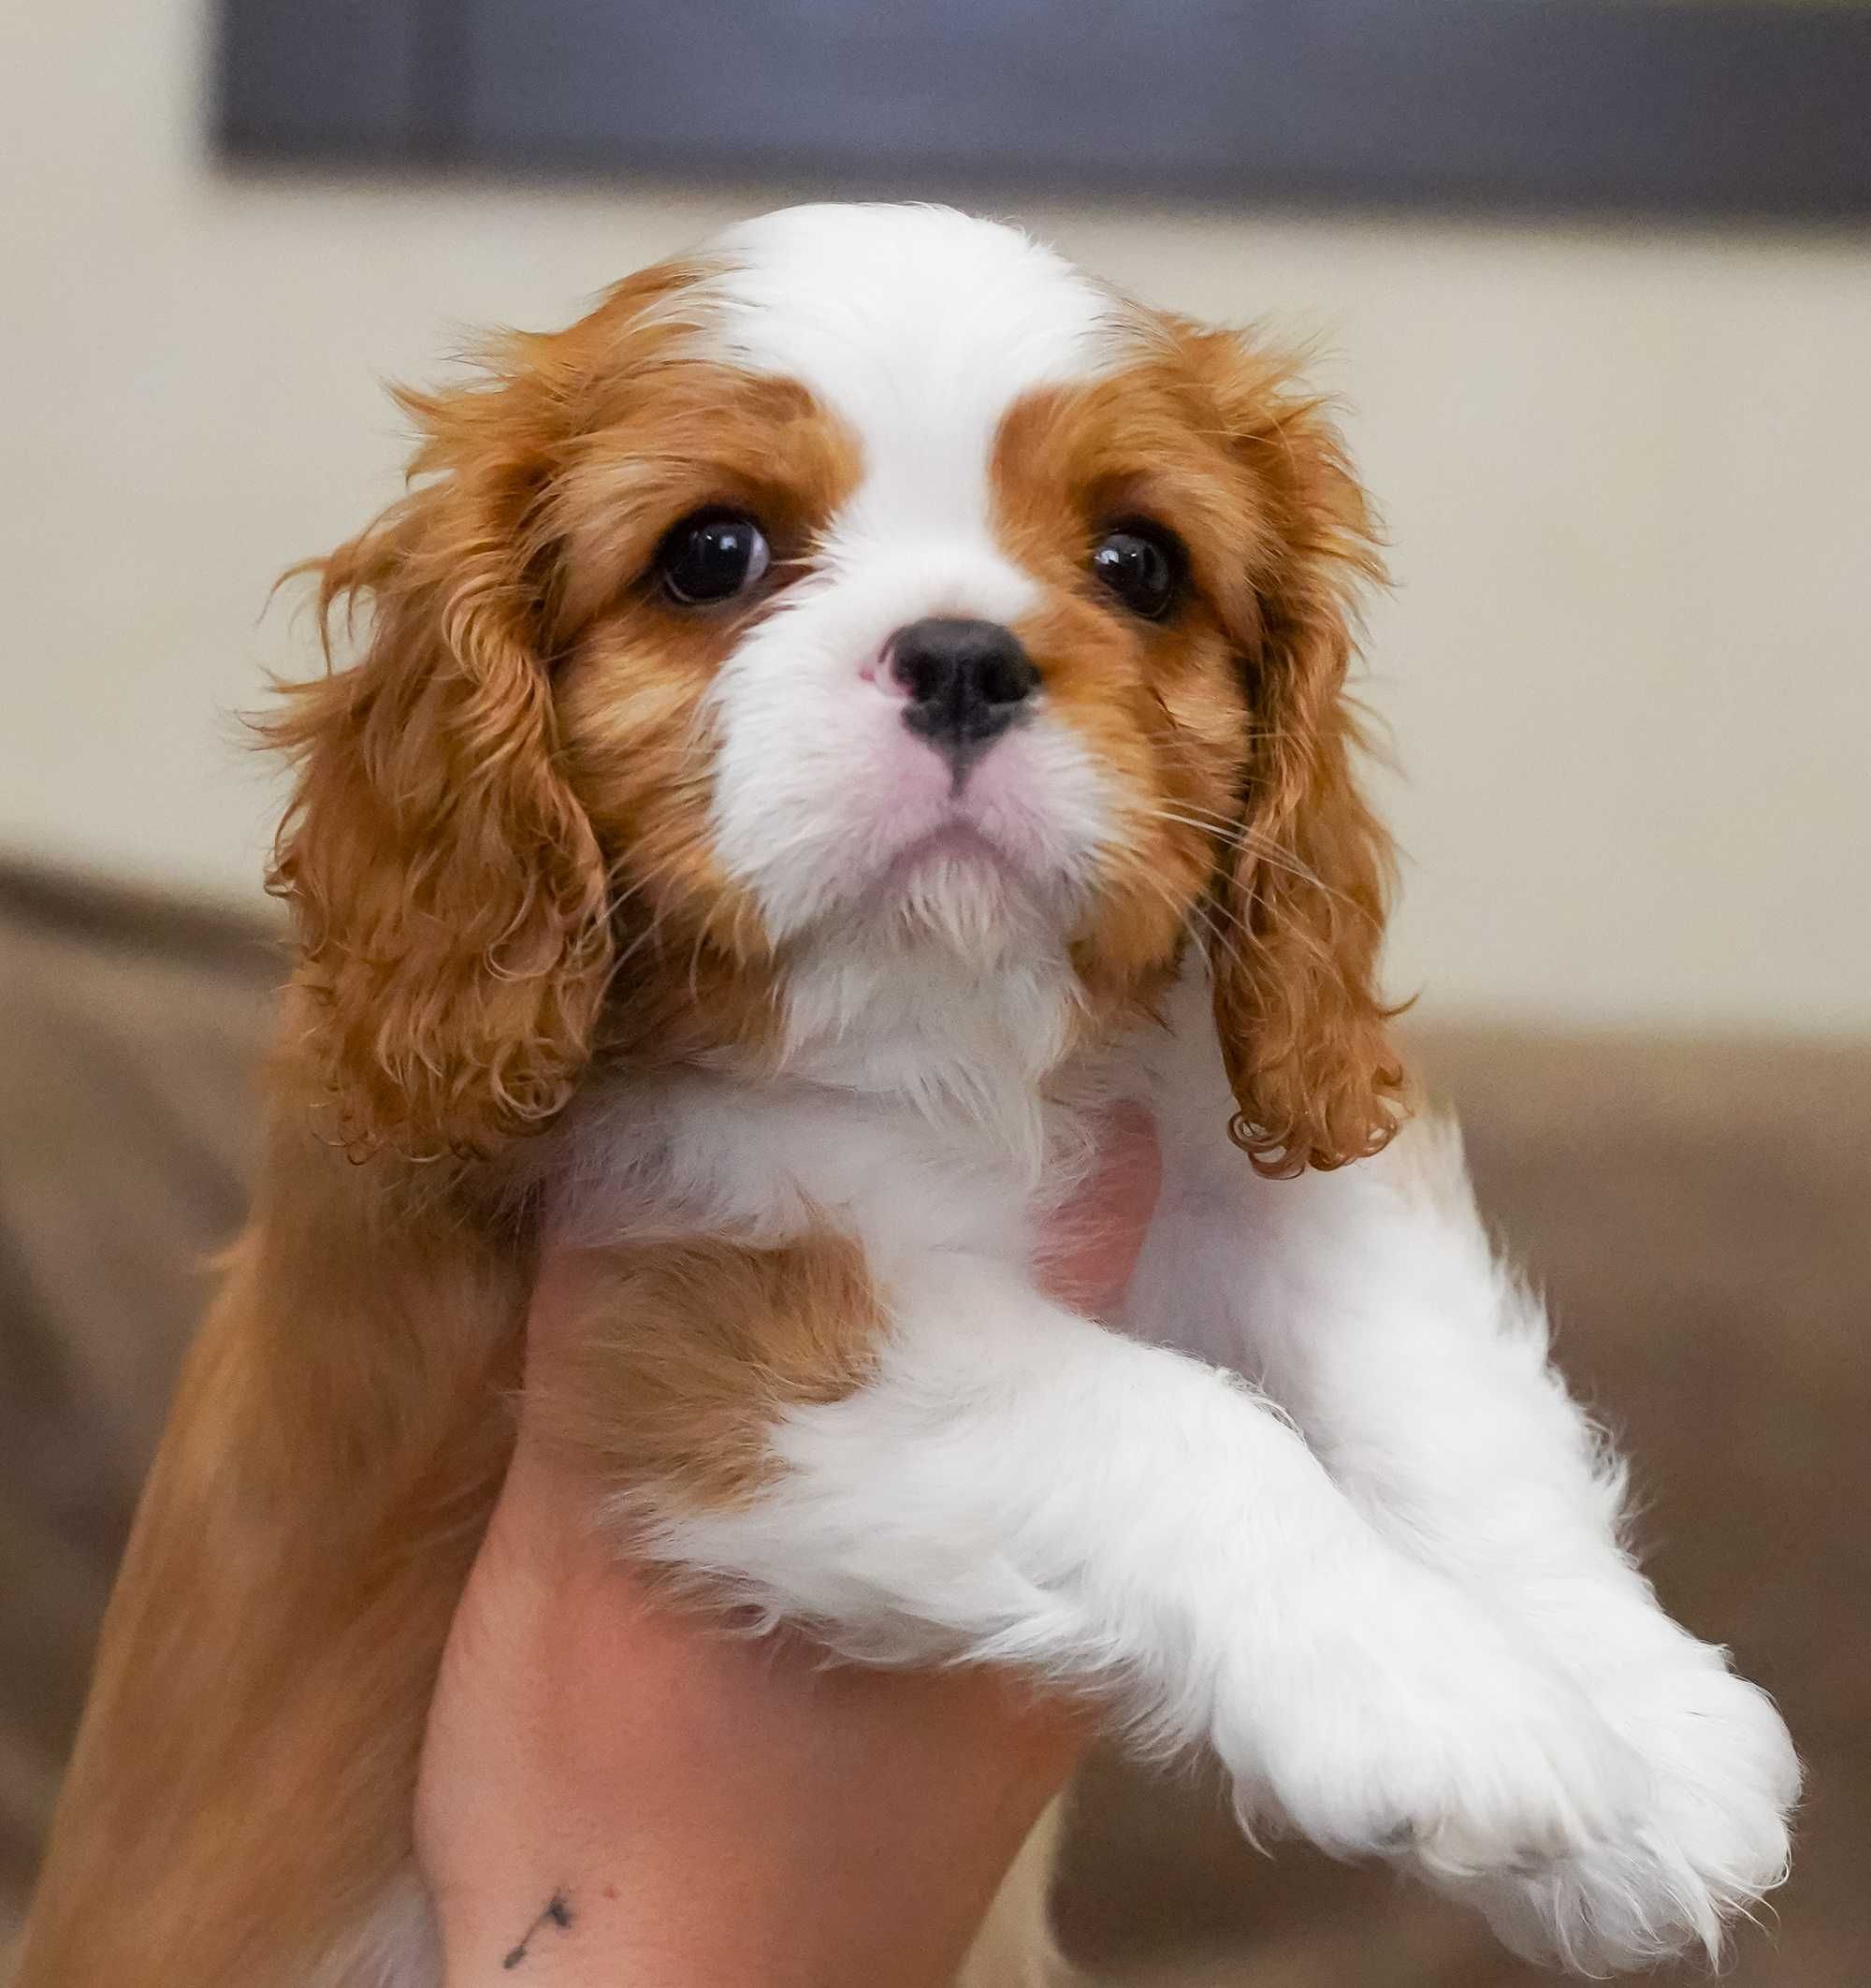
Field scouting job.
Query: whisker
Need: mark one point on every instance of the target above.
(1243, 837)
(1197, 917)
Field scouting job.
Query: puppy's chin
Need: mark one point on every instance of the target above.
(958, 897)
(948, 986)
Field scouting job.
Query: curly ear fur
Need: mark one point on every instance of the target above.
(1305, 888)
(448, 890)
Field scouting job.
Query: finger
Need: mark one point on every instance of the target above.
(1092, 1244)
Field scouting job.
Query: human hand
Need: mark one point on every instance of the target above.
(614, 1792)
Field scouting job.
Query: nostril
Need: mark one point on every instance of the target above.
(1008, 676)
(926, 674)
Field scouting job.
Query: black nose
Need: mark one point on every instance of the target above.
(967, 680)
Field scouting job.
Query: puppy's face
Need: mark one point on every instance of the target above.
(869, 623)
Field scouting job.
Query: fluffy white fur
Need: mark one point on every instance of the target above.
(1370, 1303)
(1417, 1636)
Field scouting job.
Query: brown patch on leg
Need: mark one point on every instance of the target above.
(687, 1352)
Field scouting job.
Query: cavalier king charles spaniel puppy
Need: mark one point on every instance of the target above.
(854, 707)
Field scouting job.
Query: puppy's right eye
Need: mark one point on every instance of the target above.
(712, 556)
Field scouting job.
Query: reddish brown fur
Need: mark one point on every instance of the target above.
(498, 860)
(243, 1782)
(1301, 1024)
(690, 1349)
(503, 792)
(1228, 723)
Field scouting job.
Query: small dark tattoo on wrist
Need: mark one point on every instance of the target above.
(558, 1913)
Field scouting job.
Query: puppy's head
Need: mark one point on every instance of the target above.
(869, 616)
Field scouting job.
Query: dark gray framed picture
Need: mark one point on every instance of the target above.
(1667, 107)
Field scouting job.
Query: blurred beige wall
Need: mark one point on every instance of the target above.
(1627, 474)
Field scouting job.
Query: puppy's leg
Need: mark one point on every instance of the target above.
(980, 1474)
(1370, 1304)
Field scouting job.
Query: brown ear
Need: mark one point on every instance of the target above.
(1305, 888)
(448, 890)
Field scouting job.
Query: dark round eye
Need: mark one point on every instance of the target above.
(712, 556)
(1142, 565)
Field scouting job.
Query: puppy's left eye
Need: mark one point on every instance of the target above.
(1142, 565)
(712, 556)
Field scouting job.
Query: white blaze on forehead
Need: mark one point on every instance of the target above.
(920, 326)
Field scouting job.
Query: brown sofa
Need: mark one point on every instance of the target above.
(1698, 1212)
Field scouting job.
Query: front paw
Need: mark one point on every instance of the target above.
(1459, 1752)
(1708, 1841)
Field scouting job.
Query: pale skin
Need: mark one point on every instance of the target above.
(614, 1792)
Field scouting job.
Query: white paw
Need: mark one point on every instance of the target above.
(1461, 1752)
(1709, 1840)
